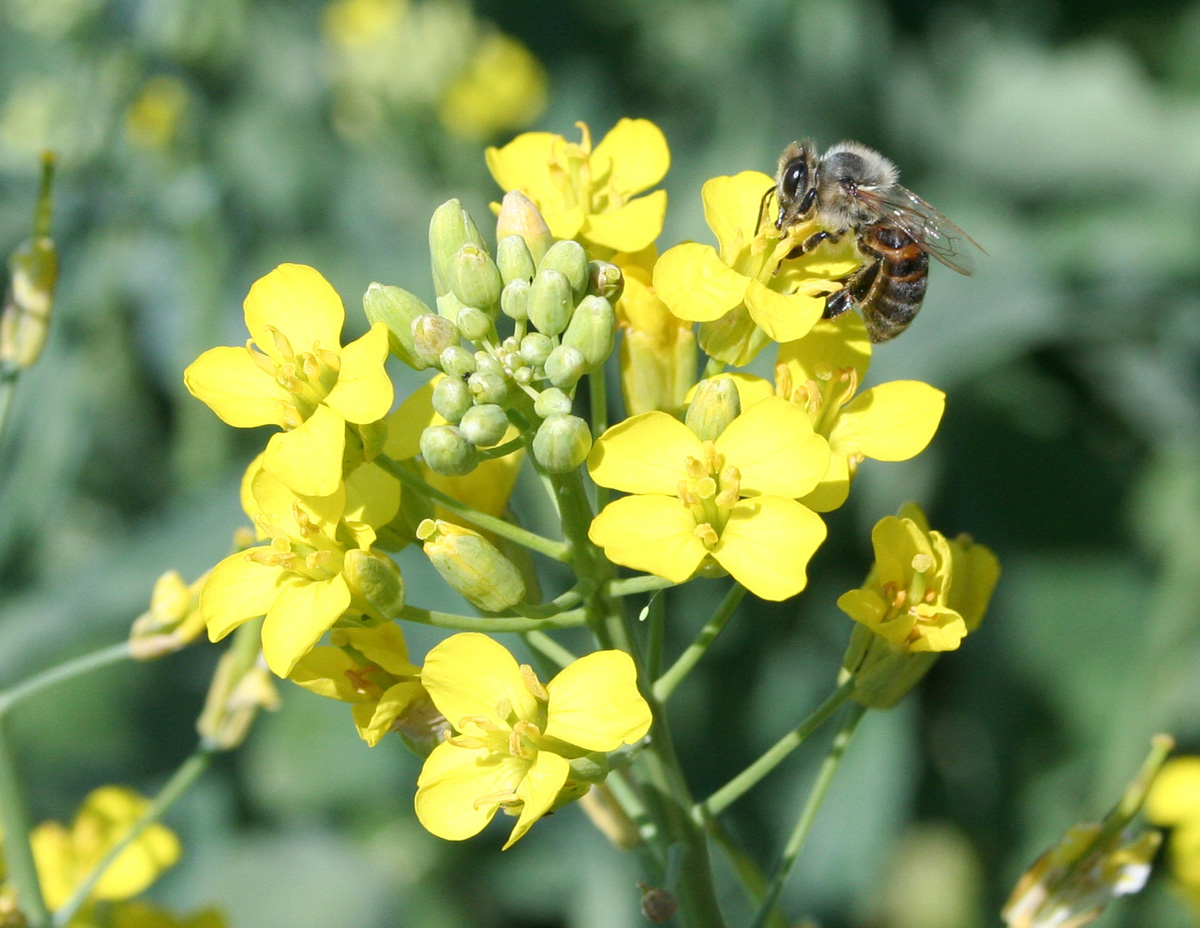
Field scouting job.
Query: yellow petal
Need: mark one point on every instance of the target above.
(731, 208)
(645, 454)
(363, 392)
(975, 573)
(896, 542)
(651, 533)
(634, 156)
(941, 629)
(831, 345)
(784, 317)
(372, 495)
(382, 645)
(394, 702)
(538, 789)
(595, 703)
(409, 420)
(237, 590)
(864, 606)
(451, 781)
(834, 488)
(630, 228)
(325, 671)
(237, 389)
(303, 612)
(767, 543)
(524, 164)
(300, 303)
(275, 499)
(308, 459)
(773, 446)
(891, 422)
(470, 674)
(564, 222)
(487, 488)
(1175, 795)
(695, 284)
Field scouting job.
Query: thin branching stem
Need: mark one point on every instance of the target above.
(491, 624)
(54, 675)
(665, 685)
(18, 854)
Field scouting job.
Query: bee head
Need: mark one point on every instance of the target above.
(794, 183)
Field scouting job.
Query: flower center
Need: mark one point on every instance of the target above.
(710, 490)
(823, 397)
(308, 375)
(311, 555)
(908, 601)
(571, 172)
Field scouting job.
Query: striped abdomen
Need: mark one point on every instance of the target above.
(894, 292)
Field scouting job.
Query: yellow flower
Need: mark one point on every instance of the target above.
(369, 668)
(590, 195)
(520, 746)
(65, 856)
(890, 422)
(1174, 802)
(294, 373)
(173, 620)
(744, 291)
(729, 502)
(138, 914)
(503, 87)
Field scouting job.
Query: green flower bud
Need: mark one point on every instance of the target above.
(714, 405)
(568, 257)
(376, 587)
(519, 216)
(605, 279)
(552, 402)
(535, 348)
(484, 426)
(514, 299)
(565, 366)
(398, 309)
(431, 335)
(33, 270)
(487, 364)
(592, 330)
(488, 387)
(472, 565)
(883, 675)
(523, 376)
(562, 443)
(451, 398)
(514, 260)
(450, 228)
(447, 452)
(550, 301)
(473, 324)
(449, 306)
(456, 361)
(475, 277)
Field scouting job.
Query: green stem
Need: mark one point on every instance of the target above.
(665, 685)
(555, 550)
(808, 814)
(747, 869)
(550, 649)
(8, 387)
(486, 454)
(719, 801)
(18, 854)
(646, 583)
(47, 678)
(657, 615)
(466, 623)
(712, 368)
(598, 398)
(180, 782)
(556, 606)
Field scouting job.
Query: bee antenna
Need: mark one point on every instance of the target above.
(762, 208)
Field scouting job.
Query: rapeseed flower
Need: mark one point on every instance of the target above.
(587, 194)
(502, 87)
(520, 746)
(728, 504)
(294, 373)
(1174, 802)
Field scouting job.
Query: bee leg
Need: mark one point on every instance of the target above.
(855, 290)
(811, 242)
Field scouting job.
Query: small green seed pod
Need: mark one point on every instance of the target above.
(451, 399)
(519, 216)
(456, 361)
(450, 228)
(535, 348)
(447, 452)
(514, 260)
(565, 366)
(488, 387)
(376, 587)
(431, 336)
(569, 257)
(605, 279)
(562, 443)
(484, 425)
(475, 277)
(715, 404)
(592, 330)
(472, 565)
(514, 299)
(552, 402)
(550, 301)
(396, 308)
(473, 324)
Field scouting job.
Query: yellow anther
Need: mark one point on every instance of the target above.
(271, 558)
(930, 596)
(280, 541)
(292, 419)
(309, 366)
(706, 488)
(686, 495)
(288, 380)
(823, 371)
(303, 521)
(533, 684)
(712, 458)
(783, 381)
(360, 680)
(693, 467)
(707, 535)
(500, 797)
(527, 729)
(814, 398)
(504, 708)
(282, 345)
(319, 560)
(260, 359)
(731, 479)
(330, 360)
(727, 498)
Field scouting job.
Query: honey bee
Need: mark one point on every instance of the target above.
(852, 188)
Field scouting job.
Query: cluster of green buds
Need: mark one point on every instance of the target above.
(560, 307)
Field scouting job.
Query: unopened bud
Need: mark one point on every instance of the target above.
(605, 279)
(33, 270)
(514, 260)
(552, 402)
(714, 405)
(398, 309)
(488, 387)
(562, 443)
(484, 426)
(431, 335)
(519, 216)
(237, 692)
(447, 452)
(535, 348)
(592, 330)
(550, 301)
(450, 228)
(451, 399)
(473, 324)
(565, 366)
(514, 299)
(173, 620)
(456, 361)
(472, 565)
(376, 587)
(475, 277)
(568, 257)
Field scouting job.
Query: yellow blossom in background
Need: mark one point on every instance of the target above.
(139, 914)
(503, 87)
(65, 856)
(152, 121)
(729, 502)
(743, 291)
(520, 746)
(173, 619)
(1174, 802)
(294, 373)
(589, 194)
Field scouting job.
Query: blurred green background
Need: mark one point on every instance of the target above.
(204, 141)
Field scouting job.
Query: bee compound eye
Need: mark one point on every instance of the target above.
(795, 175)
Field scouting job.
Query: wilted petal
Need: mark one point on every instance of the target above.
(595, 703)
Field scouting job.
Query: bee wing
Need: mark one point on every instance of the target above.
(929, 228)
